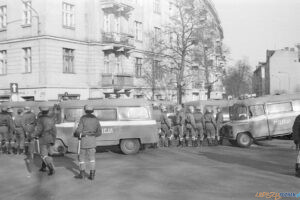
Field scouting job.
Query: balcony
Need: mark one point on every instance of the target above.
(118, 40)
(118, 81)
(117, 6)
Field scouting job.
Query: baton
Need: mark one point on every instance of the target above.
(37, 145)
(79, 144)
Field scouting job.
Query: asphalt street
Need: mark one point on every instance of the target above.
(221, 172)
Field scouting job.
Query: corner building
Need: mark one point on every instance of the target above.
(76, 48)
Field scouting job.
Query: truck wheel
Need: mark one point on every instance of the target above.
(244, 140)
(130, 146)
(59, 147)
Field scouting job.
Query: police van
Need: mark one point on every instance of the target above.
(261, 118)
(128, 123)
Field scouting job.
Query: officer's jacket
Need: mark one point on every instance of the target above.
(209, 118)
(18, 121)
(219, 118)
(45, 129)
(199, 120)
(28, 118)
(6, 120)
(296, 130)
(190, 121)
(180, 117)
(164, 120)
(90, 128)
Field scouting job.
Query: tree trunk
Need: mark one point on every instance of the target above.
(179, 93)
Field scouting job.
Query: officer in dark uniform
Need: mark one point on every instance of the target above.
(296, 138)
(190, 127)
(165, 127)
(199, 120)
(46, 134)
(28, 124)
(6, 130)
(219, 122)
(88, 129)
(12, 136)
(180, 118)
(210, 126)
(20, 133)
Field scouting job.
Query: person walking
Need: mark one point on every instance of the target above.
(210, 126)
(28, 124)
(6, 130)
(165, 127)
(88, 129)
(46, 134)
(199, 121)
(219, 122)
(20, 133)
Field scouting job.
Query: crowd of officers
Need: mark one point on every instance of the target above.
(29, 134)
(191, 127)
(19, 133)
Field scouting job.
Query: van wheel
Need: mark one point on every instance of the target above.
(130, 146)
(244, 140)
(59, 147)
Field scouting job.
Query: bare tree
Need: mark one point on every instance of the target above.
(238, 79)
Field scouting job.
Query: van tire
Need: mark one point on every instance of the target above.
(244, 140)
(60, 147)
(130, 146)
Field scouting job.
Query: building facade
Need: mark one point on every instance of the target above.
(279, 74)
(79, 49)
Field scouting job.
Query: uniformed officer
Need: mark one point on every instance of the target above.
(46, 134)
(296, 138)
(28, 124)
(210, 126)
(165, 127)
(180, 117)
(6, 130)
(12, 136)
(219, 122)
(88, 129)
(19, 132)
(199, 120)
(190, 127)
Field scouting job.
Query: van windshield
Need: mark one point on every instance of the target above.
(72, 114)
(133, 113)
(238, 112)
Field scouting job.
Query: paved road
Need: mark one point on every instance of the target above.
(222, 172)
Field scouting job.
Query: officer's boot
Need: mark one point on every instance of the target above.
(209, 141)
(81, 175)
(26, 150)
(297, 170)
(92, 175)
(21, 151)
(43, 167)
(51, 169)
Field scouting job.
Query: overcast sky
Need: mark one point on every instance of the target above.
(253, 26)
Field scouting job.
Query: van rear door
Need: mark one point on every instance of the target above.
(258, 122)
(280, 118)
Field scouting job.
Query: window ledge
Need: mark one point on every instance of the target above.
(2, 29)
(26, 72)
(25, 25)
(69, 27)
(69, 73)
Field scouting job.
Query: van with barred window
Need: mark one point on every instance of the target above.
(261, 118)
(128, 123)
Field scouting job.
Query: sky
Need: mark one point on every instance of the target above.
(253, 26)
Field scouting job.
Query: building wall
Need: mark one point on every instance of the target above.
(48, 38)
